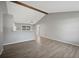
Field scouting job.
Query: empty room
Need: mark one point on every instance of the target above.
(39, 29)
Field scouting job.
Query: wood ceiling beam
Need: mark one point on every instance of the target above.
(25, 5)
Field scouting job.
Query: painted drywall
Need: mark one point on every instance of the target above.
(1, 31)
(11, 36)
(17, 14)
(2, 11)
(61, 26)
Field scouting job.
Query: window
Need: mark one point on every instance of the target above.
(22, 27)
(26, 27)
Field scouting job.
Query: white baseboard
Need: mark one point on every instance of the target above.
(1, 51)
(62, 41)
(16, 42)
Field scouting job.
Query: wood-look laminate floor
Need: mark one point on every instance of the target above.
(47, 49)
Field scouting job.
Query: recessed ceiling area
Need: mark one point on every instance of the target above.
(55, 6)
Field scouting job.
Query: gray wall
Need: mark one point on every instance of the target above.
(7, 36)
(1, 31)
(11, 36)
(2, 11)
(61, 26)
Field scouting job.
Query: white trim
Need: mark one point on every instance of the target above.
(61, 41)
(16, 42)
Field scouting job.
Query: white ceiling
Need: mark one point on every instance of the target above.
(25, 15)
(22, 14)
(55, 6)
